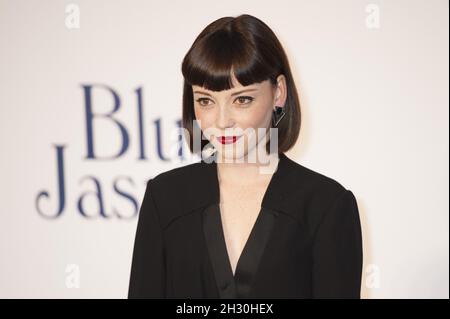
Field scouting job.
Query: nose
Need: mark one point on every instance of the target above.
(224, 118)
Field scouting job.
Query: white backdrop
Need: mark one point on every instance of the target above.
(373, 84)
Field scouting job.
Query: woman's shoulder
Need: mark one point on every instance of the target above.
(315, 195)
(180, 176)
(311, 193)
(174, 191)
(313, 181)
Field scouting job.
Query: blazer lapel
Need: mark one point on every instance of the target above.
(252, 253)
(215, 242)
(239, 285)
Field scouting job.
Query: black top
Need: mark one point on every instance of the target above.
(306, 241)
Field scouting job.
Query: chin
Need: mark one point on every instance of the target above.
(231, 155)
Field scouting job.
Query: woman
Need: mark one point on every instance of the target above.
(230, 226)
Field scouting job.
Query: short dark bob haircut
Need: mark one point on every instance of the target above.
(247, 47)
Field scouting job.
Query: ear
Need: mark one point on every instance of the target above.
(280, 91)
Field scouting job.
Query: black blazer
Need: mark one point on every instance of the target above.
(306, 241)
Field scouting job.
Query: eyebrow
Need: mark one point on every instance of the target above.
(233, 94)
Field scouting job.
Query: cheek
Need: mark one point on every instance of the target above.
(206, 118)
(257, 117)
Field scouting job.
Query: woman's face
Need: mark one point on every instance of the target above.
(244, 112)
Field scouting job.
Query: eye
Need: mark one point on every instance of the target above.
(201, 100)
(242, 100)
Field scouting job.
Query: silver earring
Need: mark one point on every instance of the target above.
(277, 115)
(209, 150)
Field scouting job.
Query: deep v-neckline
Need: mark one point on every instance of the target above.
(246, 243)
(239, 284)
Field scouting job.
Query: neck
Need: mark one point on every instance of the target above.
(244, 171)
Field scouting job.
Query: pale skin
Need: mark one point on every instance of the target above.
(242, 186)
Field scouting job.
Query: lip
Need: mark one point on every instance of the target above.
(228, 139)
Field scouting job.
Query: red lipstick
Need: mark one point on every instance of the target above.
(228, 139)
